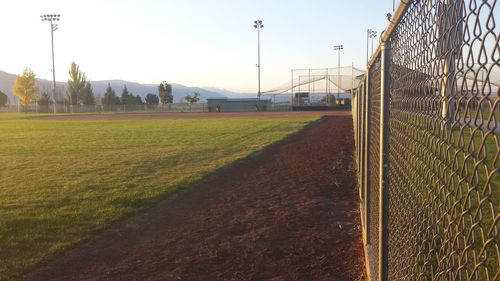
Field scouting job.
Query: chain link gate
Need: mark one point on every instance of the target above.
(427, 144)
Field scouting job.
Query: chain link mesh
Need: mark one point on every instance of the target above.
(443, 175)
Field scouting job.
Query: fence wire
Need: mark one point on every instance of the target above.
(441, 159)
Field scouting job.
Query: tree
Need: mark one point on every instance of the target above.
(86, 96)
(125, 98)
(192, 99)
(110, 96)
(43, 102)
(138, 100)
(152, 99)
(76, 83)
(3, 99)
(25, 87)
(165, 93)
(44, 99)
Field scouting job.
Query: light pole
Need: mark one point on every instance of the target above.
(53, 27)
(338, 48)
(369, 34)
(374, 34)
(258, 25)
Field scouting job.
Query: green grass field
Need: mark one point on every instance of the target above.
(64, 181)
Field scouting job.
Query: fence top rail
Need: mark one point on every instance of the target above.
(393, 23)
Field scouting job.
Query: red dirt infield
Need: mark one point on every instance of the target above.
(288, 212)
(188, 115)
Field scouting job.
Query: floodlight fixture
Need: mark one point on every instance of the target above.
(53, 27)
(370, 34)
(338, 48)
(258, 25)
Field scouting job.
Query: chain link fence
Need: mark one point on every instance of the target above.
(427, 144)
(65, 108)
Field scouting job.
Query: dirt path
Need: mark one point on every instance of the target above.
(288, 213)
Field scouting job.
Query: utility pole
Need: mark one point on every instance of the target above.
(258, 25)
(338, 48)
(369, 34)
(374, 34)
(53, 27)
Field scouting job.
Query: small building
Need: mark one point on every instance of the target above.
(238, 105)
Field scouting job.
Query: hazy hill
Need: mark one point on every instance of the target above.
(7, 82)
(232, 94)
(179, 91)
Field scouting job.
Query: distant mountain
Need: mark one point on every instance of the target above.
(227, 93)
(179, 91)
(232, 94)
(7, 82)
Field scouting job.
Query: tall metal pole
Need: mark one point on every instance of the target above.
(258, 56)
(327, 80)
(338, 75)
(372, 46)
(53, 67)
(338, 48)
(53, 27)
(352, 79)
(373, 35)
(292, 87)
(370, 34)
(258, 25)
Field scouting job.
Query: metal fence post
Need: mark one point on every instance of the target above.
(358, 140)
(360, 112)
(383, 163)
(366, 143)
(354, 110)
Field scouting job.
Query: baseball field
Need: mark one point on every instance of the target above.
(66, 179)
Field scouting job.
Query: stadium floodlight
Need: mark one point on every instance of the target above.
(338, 48)
(258, 25)
(373, 35)
(53, 27)
(369, 34)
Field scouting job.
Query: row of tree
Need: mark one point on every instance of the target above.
(79, 88)
(80, 92)
(110, 97)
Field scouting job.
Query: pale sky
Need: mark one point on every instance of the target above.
(192, 42)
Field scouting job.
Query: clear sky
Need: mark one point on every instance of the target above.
(192, 42)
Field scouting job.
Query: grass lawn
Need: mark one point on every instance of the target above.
(482, 113)
(63, 181)
(478, 165)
